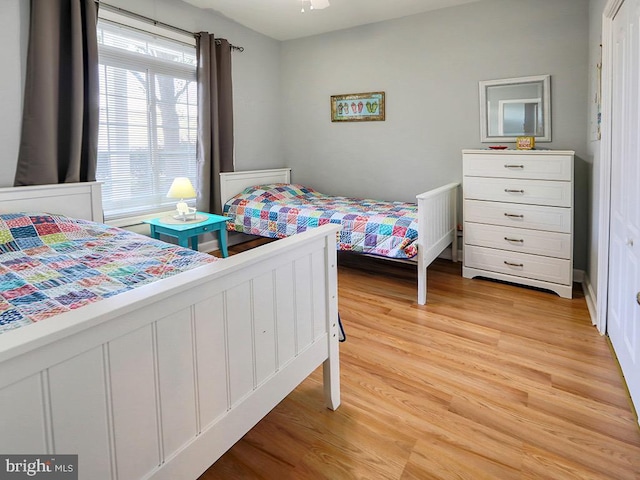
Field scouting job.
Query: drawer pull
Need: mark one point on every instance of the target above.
(513, 215)
(514, 264)
(511, 190)
(519, 240)
(513, 166)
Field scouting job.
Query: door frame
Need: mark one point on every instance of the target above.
(604, 218)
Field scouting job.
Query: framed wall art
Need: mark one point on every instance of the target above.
(357, 107)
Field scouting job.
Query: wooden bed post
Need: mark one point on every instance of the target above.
(422, 280)
(331, 366)
(454, 221)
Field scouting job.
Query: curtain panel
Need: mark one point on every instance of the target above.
(215, 119)
(61, 103)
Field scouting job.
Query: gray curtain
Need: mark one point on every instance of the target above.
(61, 102)
(215, 119)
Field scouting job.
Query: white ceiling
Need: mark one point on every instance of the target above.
(282, 20)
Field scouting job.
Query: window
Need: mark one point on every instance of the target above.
(148, 118)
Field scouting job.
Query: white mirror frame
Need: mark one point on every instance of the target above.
(545, 80)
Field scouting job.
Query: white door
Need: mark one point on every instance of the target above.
(623, 316)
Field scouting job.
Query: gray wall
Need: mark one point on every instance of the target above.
(429, 66)
(14, 18)
(256, 77)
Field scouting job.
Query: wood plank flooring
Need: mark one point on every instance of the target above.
(487, 381)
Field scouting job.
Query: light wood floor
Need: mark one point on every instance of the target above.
(488, 380)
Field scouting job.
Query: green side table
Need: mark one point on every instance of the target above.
(189, 230)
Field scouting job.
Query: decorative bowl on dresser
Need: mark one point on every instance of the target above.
(518, 217)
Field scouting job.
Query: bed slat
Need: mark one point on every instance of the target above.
(176, 377)
(211, 360)
(241, 360)
(24, 409)
(136, 428)
(264, 326)
(303, 302)
(285, 314)
(81, 426)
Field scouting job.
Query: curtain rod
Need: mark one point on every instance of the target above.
(157, 23)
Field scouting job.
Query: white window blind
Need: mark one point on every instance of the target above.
(148, 119)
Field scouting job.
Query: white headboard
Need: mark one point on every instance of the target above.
(233, 183)
(78, 200)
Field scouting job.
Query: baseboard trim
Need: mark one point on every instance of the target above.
(208, 246)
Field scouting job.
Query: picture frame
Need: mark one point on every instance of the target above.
(358, 107)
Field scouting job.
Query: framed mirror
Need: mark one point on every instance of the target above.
(515, 107)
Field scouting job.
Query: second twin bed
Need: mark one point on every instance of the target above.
(265, 203)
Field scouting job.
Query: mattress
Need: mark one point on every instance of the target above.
(51, 264)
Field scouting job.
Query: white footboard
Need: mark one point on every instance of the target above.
(160, 381)
(436, 230)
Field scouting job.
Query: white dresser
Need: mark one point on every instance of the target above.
(518, 217)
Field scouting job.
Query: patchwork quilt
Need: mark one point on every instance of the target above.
(51, 264)
(389, 229)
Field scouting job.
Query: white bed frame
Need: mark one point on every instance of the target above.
(437, 216)
(158, 382)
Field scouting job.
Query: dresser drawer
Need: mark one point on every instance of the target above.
(554, 219)
(554, 270)
(536, 242)
(540, 167)
(533, 192)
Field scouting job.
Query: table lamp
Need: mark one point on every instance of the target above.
(182, 188)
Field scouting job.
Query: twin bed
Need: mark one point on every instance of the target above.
(265, 203)
(161, 379)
